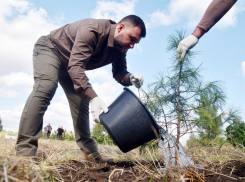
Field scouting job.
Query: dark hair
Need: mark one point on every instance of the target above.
(136, 22)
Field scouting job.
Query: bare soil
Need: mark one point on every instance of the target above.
(103, 172)
(134, 171)
(229, 171)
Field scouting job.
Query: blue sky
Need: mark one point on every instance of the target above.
(22, 22)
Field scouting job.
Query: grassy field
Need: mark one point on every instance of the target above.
(63, 161)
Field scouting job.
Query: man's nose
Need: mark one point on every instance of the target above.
(131, 46)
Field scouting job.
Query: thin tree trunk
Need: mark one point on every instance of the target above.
(179, 113)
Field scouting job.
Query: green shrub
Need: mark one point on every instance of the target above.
(68, 136)
(152, 146)
(101, 136)
(1, 126)
(235, 133)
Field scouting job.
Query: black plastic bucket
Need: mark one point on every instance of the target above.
(129, 122)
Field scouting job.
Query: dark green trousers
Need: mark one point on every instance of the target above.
(48, 71)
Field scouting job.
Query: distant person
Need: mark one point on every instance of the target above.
(47, 130)
(60, 133)
(215, 11)
(63, 57)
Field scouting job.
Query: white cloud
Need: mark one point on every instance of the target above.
(104, 85)
(18, 80)
(190, 11)
(21, 25)
(179, 9)
(11, 118)
(230, 18)
(58, 114)
(12, 84)
(113, 10)
(243, 68)
(9, 93)
(99, 74)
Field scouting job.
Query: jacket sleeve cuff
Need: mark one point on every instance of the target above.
(203, 27)
(89, 94)
(126, 81)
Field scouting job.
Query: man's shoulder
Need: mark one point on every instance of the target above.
(93, 21)
(105, 22)
(103, 25)
(98, 20)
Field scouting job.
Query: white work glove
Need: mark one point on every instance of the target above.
(186, 44)
(136, 79)
(96, 106)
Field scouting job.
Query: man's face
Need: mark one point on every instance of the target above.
(127, 37)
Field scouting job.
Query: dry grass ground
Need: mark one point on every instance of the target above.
(64, 162)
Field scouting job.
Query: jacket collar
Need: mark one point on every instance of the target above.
(111, 35)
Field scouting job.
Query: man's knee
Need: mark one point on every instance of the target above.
(45, 88)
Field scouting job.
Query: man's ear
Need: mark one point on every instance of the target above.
(121, 27)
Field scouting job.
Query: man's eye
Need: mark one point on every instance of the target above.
(132, 39)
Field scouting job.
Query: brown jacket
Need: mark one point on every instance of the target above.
(215, 11)
(88, 44)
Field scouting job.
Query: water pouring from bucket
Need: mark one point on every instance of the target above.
(174, 156)
(130, 124)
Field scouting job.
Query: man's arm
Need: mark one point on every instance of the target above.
(82, 50)
(215, 11)
(198, 32)
(84, 45)
(122, 76)
(119, 70)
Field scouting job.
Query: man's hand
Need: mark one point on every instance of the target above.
(186, 44)
(136, 79)
(96, 106)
